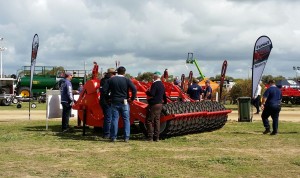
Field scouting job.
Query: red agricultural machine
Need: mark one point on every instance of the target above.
(181, 115)
(290, 95)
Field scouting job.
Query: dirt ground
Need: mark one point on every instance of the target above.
(286, 114)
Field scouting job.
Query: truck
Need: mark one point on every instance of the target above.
(45, 77)
(7, 91)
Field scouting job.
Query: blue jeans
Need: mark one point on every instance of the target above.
(66, 112)
(107, 119)
(272, 111)
(117, 109)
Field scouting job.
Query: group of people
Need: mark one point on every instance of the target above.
(115, 99)
(197, 93)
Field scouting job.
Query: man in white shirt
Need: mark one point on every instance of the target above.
(256, 99)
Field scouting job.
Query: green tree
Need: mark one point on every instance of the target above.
(241, 88)
(218, 77)
(265, 78)
(146, 76)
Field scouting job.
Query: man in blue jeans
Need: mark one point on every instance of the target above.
(271, 107)
(104, 102)
(67, 100)
(118, 87)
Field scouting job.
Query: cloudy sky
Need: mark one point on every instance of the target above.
(151, 35)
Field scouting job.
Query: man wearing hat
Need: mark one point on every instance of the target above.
(195, 91)
(207, 91)
(104, 103)
(157, 96)
(66, 92)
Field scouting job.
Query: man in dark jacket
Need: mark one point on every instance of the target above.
(195, 91)
(207, 91)
(66, 92)
(271, 107)
(157, 96)
(118, 87)
(104, 103)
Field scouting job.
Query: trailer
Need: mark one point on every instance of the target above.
(45, 77)
(7, 91)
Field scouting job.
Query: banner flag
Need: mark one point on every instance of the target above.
(223, 73)
(262, 50)
(34, 50)
(35, 46)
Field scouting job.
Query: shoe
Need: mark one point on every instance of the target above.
(156, 140)
(106, 137)
(65, 130)
(266, 131)
(113, 140)
(273, 133)
(126, 140)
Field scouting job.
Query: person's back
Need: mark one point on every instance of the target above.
(273, 95)
(195, 90)
(271, 107)
(119, 86)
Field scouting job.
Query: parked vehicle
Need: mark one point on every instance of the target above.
(7, 91)
(45, 77)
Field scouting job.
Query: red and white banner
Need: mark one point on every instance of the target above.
(262, 50)
(35, 47)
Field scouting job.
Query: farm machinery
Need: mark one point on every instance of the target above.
(290, 95)
(45, 77)
(181, 115)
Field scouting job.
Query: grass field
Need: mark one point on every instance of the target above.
(236, 150)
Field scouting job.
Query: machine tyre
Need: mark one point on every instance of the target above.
(6, 102)
(33, 105)
(24, 91)
(15, 101)
(19, 105)
(143, 128)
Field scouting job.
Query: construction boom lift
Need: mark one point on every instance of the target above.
(191, 60)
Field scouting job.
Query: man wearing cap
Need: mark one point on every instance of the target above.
(118, 87)
(80, 88)
(195, 91)
(104, 103)
(66, 92)
(157, 96)
(207, 91)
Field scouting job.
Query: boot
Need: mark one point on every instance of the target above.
(267, 131)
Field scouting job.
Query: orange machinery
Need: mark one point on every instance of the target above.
(181, 115)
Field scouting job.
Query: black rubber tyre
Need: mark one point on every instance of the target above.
(143, 127)
(5, 102)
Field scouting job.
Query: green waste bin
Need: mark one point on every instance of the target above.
(244, 104)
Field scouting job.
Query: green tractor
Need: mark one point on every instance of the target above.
(45, 77)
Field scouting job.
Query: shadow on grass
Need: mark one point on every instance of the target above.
(259, 132)
(91, 134)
